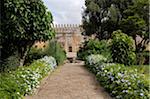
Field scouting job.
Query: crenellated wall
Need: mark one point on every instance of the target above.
(68, 35)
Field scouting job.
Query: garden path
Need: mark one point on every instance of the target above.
(70, 81)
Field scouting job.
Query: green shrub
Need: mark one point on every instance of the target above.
(143, 58)
(93, 60)
(54, 49)
(16, 84)
(34, 54)
(10, 63)
(122, 48)
(120, 81)
(94, 47)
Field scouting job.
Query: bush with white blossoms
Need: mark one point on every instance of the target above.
(94, 59)
(25, 80)
(50, 60)
(120, 81)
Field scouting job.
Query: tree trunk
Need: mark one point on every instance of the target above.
(24, 53)
(22, 60)
(136, 50)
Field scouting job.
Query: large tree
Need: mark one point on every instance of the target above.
(136, 22)
(102, 17)
(23, 23)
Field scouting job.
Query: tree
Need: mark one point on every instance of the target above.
(102, 17)
(23, 23)
(135, 22)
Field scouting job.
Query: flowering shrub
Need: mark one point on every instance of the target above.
(50, 60)
(16, 84)
(120, 81)
(94, 60)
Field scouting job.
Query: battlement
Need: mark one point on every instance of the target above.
(66, 25)
(67, 28)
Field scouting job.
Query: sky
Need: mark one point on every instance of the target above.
(65, 11)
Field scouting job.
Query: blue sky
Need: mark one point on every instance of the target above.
(65, 11)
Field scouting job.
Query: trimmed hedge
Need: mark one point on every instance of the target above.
(16, 84)
(120, 81)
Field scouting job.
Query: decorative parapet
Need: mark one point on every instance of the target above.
(67, 28)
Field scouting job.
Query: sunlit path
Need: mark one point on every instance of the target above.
(71, 81)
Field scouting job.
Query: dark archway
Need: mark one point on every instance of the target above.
(70, 48)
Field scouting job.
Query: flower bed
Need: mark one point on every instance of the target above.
(16, 84)
(120, 81)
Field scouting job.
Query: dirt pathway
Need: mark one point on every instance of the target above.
(71, 81)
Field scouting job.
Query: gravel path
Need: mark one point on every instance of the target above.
(71, 81)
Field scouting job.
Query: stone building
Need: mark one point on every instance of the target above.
(69, 36)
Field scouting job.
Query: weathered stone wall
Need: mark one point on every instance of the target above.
(68, 35)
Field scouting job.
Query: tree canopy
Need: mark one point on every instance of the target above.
(102, 17)
(23, 23)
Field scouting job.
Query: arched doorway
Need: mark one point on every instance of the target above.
(70, 48)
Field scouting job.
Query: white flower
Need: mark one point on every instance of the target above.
(141, 94)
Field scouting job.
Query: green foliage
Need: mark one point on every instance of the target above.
(94, 47)
(23, 23)
(27, 20)
(102, 17)
(93, 60)
(34, 54)
(16, 84)
(143, 69)
(143, 58)
(11, 63)
(133, 25)
(54, 49)
(120, 81)
(122, 48)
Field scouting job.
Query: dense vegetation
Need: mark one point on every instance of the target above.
(23, 23)
(16, 84)
(122, 48)
(120, 81)
(22, 66)
(53, 48)
(103, 17)
(118, 73)
(94, 47)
